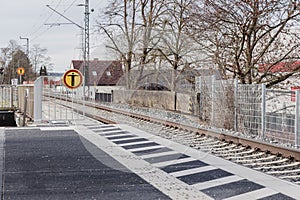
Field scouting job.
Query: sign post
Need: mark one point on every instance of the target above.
(72, 79)
(21, 72)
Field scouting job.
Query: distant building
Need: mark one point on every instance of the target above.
(101, 72)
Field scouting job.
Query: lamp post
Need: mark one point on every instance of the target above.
(27, 44)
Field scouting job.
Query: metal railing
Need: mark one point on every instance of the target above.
(8, 97)
(54, 102)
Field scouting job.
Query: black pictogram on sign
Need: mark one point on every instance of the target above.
(72, 79)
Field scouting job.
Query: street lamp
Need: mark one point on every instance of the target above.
(27, 44)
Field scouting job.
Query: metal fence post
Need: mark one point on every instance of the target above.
(25, 107)
(297, 118)
(263, 111)
(235, 105)
(11, 103)
(213, 87)
(38, 95)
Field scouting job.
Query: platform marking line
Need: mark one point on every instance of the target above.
(153, 155)
(106, 130)
(145, 148)
(193, 171)
(117, 135)
(123, 139)
(128, 140)
(134, 143)
(256, 194)
(172, 162)
(115, 138)
(95, 126)
(217, 182)
(167, 184)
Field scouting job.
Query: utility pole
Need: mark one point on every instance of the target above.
(86, 49)
(86, 45)
(27, 44)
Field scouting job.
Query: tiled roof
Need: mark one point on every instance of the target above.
(101, 72)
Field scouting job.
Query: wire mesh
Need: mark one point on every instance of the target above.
(280, 116)
(249, 117)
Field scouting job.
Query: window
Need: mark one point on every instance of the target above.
(108, 73)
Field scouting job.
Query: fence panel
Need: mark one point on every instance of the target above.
(280, 116)
(249, 98)
(8, 97)
(58, 103)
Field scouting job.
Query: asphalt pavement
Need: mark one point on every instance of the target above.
(42, 164)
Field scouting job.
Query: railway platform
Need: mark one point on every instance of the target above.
(85, 159)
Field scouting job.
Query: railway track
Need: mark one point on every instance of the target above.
(271, 159)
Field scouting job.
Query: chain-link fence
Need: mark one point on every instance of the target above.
(252, 110)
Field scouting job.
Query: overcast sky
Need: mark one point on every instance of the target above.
(27, 19)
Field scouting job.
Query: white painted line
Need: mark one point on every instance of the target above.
(256, 194)
(116, 135)
(217, 182)
(106, 129)
(145, 148)
(134, 143)
(110, 132)
(193, 171)
(153, 154)
(123, 139)
(169, 185)
(173, 162)
(282, 186)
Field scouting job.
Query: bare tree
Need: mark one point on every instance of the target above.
(248, 39)
(119, 26)
(148, 33)
(38, 57)
(176, 47)
(19, 59)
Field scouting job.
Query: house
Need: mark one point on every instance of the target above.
(101, 72)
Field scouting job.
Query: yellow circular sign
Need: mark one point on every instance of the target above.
(72, 78)
(21, 71)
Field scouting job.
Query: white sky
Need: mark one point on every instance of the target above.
(27, 18)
